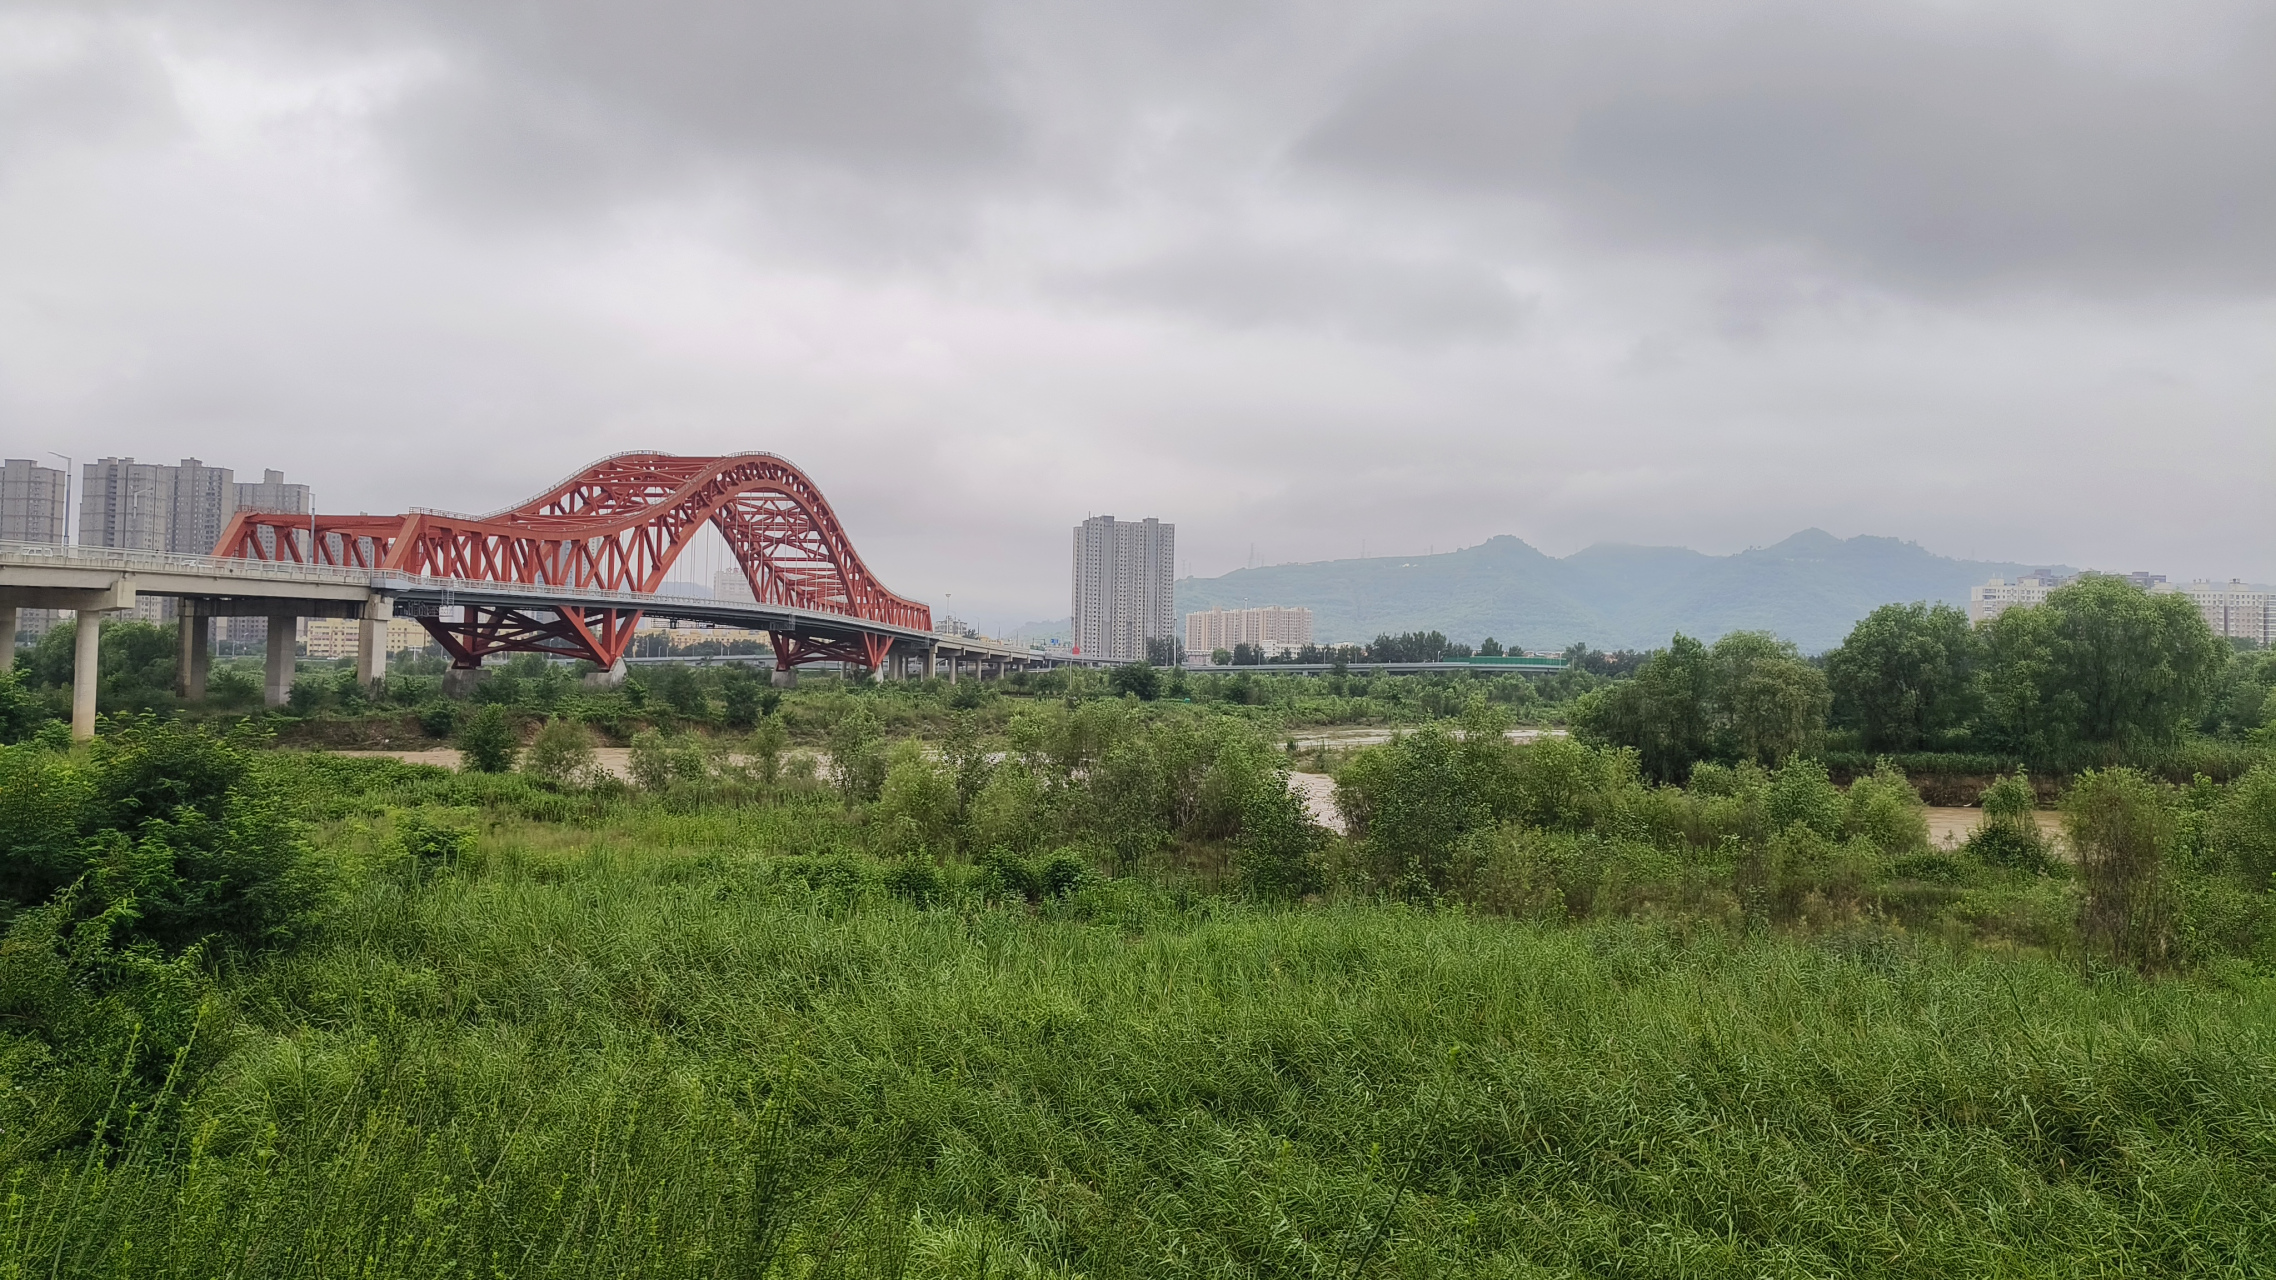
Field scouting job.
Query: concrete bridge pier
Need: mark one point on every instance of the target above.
(784, 678)
(90, 603)
(281, 659)
(371, 641)
(195, 658)
(932, 664)
(459, 682)
(7, 637)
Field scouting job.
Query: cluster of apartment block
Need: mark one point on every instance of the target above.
(137, 506)
(1273, 628)
(2235, 608)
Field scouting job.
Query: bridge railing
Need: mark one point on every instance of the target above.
(126, 560)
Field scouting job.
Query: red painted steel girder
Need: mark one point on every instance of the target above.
(617, 525)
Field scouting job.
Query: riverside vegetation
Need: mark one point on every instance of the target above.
(1065, 981)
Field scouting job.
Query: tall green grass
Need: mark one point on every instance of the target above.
(594, 1053)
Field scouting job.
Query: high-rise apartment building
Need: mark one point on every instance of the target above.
(1124, 586)
(271, 494)
(148, 506)
(33, 501)
(1272, 628)
(34, 505)
(126, 504)
(204, 499)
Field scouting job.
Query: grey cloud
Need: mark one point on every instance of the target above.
(1931, 149)
(80, 85)
(1246, 284)
(563, 105)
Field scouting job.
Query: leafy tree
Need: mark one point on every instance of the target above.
(134, 663)
(1767, 703)
(1409, 803)
(22, 712)
(677, 687)
(1277, 855)
(2244, 694)
(1412, 646)
(1139, 679)
(488, 742)
(1220, 657)
(1665, 712)
(2103, 671)
(742, 699)
(1248, 655)
(1489, 648)
(1905, 677)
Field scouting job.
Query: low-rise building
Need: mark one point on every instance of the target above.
(1273, 628)
(2234, 608)
(336, 637)
(1999, 595)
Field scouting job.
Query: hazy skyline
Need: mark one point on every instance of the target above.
(1996, 278)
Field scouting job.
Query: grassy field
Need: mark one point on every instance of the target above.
(705, 1038)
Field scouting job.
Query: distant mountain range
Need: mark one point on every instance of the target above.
(1811, 589)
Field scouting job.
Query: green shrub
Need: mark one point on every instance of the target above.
(1802, 795)
(2243, 827)
(561, 753)
(22, 712)
(916, 810)
(857, 753)
(658, 759)
(488, 742)
(439, 719)
(2120, 826)
(177, 839)
(429, 846)
(1061, 874)
(234, 689)
(309, 695)
(1883, 808)
(2009, 834)
(915, 882)
(1005, 874)
(1278, 852)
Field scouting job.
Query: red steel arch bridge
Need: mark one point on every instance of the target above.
(571, 571)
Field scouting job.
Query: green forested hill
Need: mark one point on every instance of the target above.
(1809, 588)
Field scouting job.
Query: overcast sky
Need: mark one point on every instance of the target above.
(1998, 277)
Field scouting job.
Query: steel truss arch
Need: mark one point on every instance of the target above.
(617, 525)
